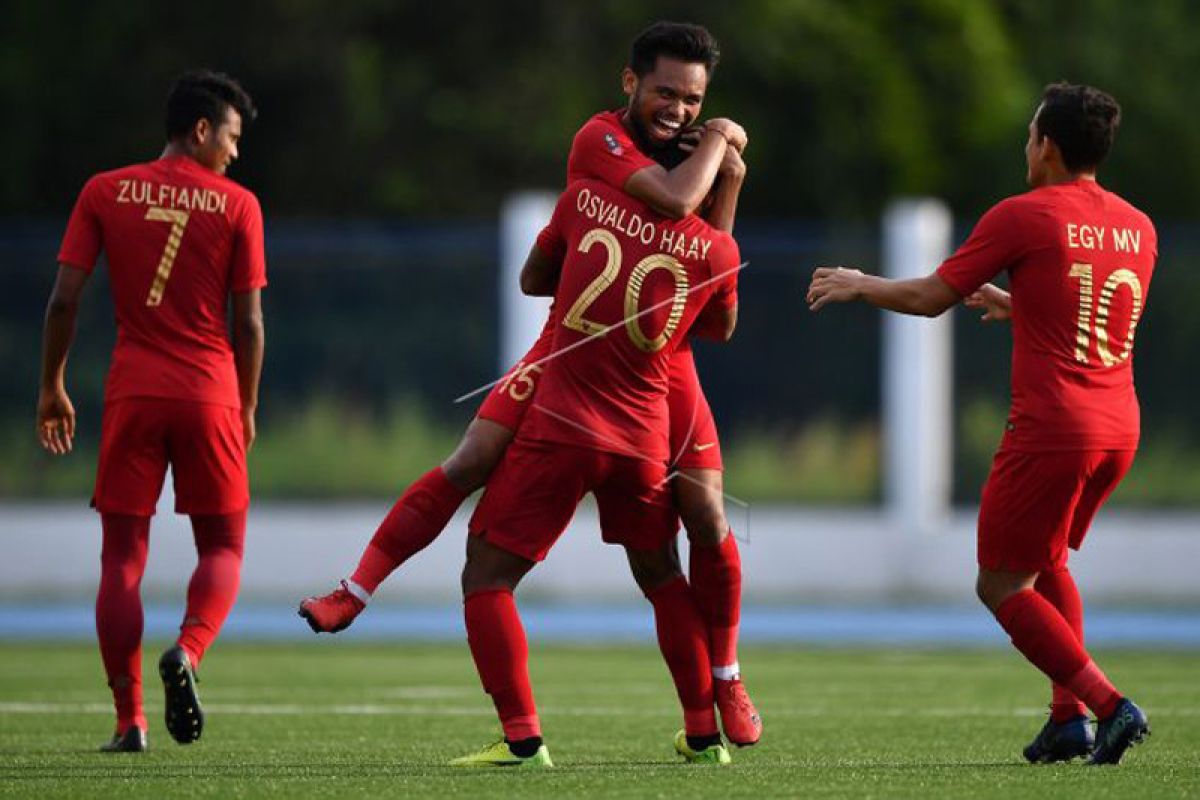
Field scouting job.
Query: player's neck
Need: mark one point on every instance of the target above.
(177, 150)
(1060, 176)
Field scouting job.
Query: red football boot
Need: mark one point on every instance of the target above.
(332, 612)
(739, 717)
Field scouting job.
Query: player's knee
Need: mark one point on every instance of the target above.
(652, 569)
(704, 520)
(477, 455)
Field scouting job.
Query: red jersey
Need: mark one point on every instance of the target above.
(621, 259)
(603, 150)
(1079, 260)
(178, 238)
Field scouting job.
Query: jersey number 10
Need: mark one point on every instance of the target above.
(1119, 278)
(575, 320)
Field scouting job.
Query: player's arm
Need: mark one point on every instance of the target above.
(924, 297)
(55, 414)
(249, 343)
(539, 276)
(995, 303)
(716, 322)
(680, 191)
(726, 191)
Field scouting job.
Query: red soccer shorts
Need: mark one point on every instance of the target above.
(1036, 505)
(694, 442)
(201, 441)
(693, 431)
(532, 496)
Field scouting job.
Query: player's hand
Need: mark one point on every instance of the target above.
(690, 138)
(248, 428)
(734, 134)
(833, 285)
(732, 164)
(56, 421)
(995, 303)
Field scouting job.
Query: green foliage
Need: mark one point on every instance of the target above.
(334, 719)
(417, 109)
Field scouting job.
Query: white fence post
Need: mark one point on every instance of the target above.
(917, 370)
(521, 318)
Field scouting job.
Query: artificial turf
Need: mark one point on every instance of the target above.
(336, 718)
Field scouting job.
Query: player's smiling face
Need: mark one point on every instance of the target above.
(665, 100)
(217, 147)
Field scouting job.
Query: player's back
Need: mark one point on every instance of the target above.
(178, 238)
(632, 283)
(1079, 288)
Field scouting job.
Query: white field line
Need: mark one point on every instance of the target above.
(369, 709)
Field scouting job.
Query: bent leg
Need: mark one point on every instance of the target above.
(426, 508)
(119, 616)
(714, 563)
(1059, 589)
(1041, 634)
(682, 636)
(220, 539)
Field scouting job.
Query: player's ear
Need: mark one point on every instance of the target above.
(629, 81)
(201, 131)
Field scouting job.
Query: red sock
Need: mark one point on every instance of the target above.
(716, 578)
(1058, 587)
(214, 584)
(683, 640)
(501, 654)
(414, 522)
(119, 612)
(1045, 638)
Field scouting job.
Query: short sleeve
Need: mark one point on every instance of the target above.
(603, 151)
(84, 236)
(994, 245)
(249, 268)
(552, 240)
(725, 263)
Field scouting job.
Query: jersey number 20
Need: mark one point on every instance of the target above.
(575, 320)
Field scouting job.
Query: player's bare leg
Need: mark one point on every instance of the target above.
(683, 640)
(716, 572)
(1041, 634)
(417, 518)
(501, 654)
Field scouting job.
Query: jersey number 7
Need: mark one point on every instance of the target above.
(179, 221)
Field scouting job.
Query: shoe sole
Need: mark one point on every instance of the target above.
(316, 626)
(184, 716)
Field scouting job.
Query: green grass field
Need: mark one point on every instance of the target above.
(338, 719)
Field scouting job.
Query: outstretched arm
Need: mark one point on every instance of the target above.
(925, 297)
(249, 343)
(55, 414)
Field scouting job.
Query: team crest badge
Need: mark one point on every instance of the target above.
(614, 146)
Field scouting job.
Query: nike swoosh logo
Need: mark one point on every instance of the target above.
(700, 448)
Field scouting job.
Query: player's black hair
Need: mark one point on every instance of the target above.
(1082, 121)
(680, 40)
(204, 94)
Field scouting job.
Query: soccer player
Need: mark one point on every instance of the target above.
(1079, 260)
(181, 240)
(632, 283)
(667, 77)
